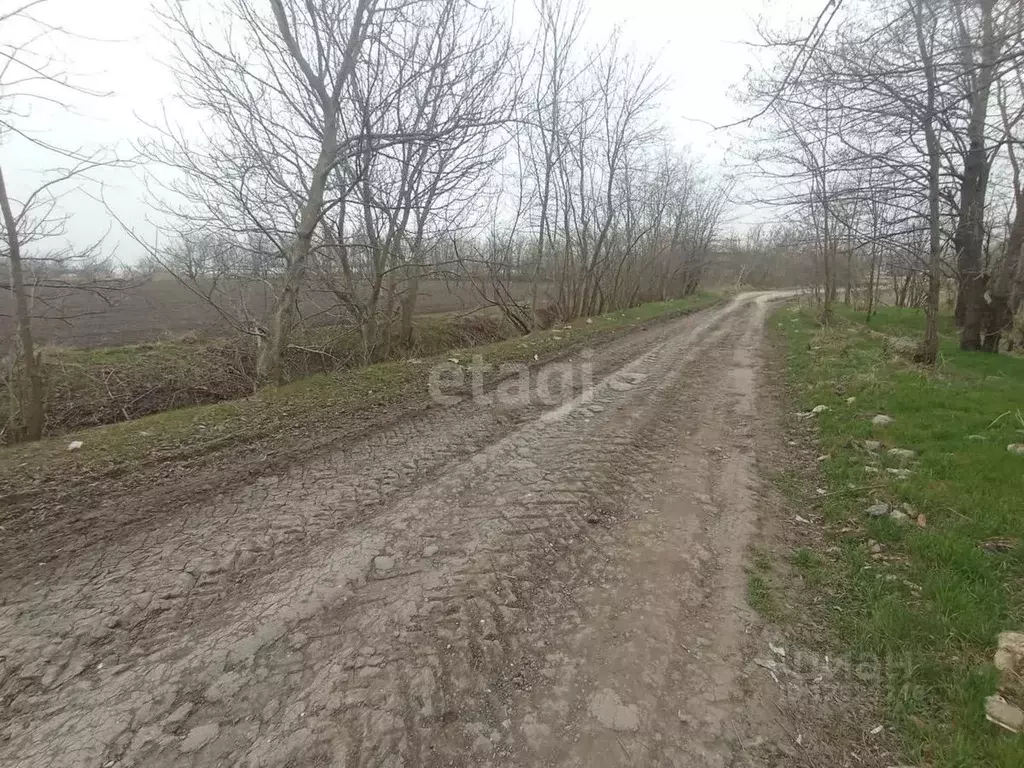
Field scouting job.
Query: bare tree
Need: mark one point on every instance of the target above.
(911, 80)
(442, 80)
(925, 32)
(41, 265)
(980, 49)
(267, 89)
(1005, 287)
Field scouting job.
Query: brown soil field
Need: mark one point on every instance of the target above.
(161, 309)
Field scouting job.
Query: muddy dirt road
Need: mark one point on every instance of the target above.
(475, 586)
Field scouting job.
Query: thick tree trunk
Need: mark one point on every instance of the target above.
(970, 232)
(999, 315)
(997, 320)
(972, 306)
(31, 393)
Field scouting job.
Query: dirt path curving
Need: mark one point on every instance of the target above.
(475, 586)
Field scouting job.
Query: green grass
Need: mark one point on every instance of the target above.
(933, 605)
(760, 586)
(895, 321)
(313, 405)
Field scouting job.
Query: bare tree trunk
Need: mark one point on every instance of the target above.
(848, 288)
(969, 236)
(412, 289)
(271, 362)
(929, 350)
(999, 318)
(826, 306)
(31, 404)
(872, 285)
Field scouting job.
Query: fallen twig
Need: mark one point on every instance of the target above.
(998, 419)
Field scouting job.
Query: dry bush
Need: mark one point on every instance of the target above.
(92, 387)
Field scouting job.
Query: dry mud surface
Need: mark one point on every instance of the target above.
(476, 585)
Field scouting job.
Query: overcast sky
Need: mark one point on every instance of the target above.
(700, 46)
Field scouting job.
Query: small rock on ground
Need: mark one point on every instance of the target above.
(1016, 449)
(430, 550)
(879, 510)
(881, 420)
(383, 563)
(1004, 714)
(903, 454)
(884, 509)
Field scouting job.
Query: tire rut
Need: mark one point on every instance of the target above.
(402, 602)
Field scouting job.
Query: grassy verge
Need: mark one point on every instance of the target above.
(924, 597)
(314, 404)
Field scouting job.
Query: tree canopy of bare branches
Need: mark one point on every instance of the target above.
(37, 264)
(888, 140)
(355, 147)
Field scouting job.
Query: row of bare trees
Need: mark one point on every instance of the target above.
(366, 146)
(38, 266)
(329, 156)
(891, 133)
(600, 212)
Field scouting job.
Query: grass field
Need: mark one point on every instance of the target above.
(316, 403)
(929, 602)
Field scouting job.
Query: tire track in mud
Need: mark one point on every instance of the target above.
(405, 603)
(109, 597)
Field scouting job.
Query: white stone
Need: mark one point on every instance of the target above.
(1004, 714)
(903, 454)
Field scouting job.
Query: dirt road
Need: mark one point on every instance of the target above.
(475, 586)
